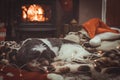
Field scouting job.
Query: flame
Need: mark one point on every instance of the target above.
(33, 13)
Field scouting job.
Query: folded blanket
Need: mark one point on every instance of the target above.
(96, 26)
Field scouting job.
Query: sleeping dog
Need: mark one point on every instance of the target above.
(37, 53)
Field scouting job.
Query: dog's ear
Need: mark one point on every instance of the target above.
(12, 55)
(48, 54)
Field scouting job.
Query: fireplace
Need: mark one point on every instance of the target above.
(36, 19)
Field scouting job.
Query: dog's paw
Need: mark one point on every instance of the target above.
(53, 76)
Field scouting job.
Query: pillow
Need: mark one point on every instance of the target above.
(107, 36)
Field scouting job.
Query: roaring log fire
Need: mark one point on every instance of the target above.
(33, 12)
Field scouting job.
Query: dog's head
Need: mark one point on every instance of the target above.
(40, 64)
(34, 53)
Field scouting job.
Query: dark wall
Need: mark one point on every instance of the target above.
(65, 16)
(89, 9)
(113, 13)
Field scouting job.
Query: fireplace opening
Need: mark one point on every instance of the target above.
(36, 13)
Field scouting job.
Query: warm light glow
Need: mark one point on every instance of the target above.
(33, 13)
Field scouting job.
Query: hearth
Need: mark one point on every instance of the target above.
(36, 17)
